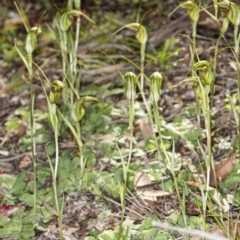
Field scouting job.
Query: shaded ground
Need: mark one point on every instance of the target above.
(98, 71)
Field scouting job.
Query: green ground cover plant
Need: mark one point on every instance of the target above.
(116, 181)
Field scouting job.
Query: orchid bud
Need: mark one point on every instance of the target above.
(66, 18)
(155, 82)
(78, 109)
(205, 71)
(231, 11)
(130, 80)
(141, 32)
(192, 10)
(31, 40)
(56, 90)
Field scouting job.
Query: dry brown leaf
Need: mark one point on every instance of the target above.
(140, 208)
(142, 179)
(107, 137)
(146, 128)
(221, 202)
(222, 170)
(226, 167)
(26, 161)
(145, 191)
(233, 229)
(70, 229)
(147, 131)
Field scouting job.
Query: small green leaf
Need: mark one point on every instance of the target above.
(5, 232)
(27, 231)
(49, 197)
(42, 227)
(13, 124)
(13, 227)
(181, 221)
(4, 220)
(196, 222)
(27, 198)
(46, 215)
(7, 181)
(106, 235)
(19, 184)
(150, 233)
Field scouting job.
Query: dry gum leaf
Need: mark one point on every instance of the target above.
(146, 128)
(222, 170)
(225, 168)
(147, 193)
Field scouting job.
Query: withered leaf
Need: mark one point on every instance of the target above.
(223, 169)
(146, 128)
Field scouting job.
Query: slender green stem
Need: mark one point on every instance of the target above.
(54, 176)
(80, 147)
(210, 161)
(56, 153)
(79, 141)
(78, 27)
(214, 68)
(126, 168)
(33, 137)
(210, 166)
(55, 182)
(77, 136)
(193, 54)
(158, 122)
(64, 52)
(236, 50)
(131, 122)
(142, 56)
(142, 53)
(194, 34)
